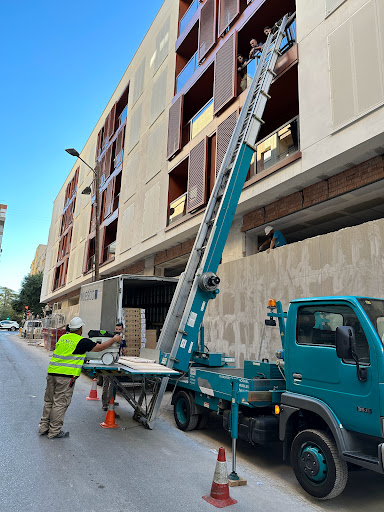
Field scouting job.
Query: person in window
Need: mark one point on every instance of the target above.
(242, 71)
(63, 370)
(256, 48)
(275, 239)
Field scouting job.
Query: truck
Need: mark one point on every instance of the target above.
(323, 398)
(102, 305)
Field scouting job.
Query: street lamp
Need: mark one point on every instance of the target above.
(87, 190)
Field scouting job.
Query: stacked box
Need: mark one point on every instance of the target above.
(135, 330)
(151, 336)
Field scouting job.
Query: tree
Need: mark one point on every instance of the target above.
(7, 297)
(30, 295)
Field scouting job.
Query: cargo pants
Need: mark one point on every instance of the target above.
(58, 396)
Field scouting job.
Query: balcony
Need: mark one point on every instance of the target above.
(188, 15)
(177, 208)
(186, 73)
(201, 119)
(109, 251)
(277, 147)
(90, 263)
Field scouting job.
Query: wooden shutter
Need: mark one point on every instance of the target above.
(102, 170)
(197, 176)
(112, 121)
(107, 164)
(207, 27)
(228, 11)
(109, 195)
(85, 260)
(224, 134)
(98, 145)
(175, 121)
(224, 87)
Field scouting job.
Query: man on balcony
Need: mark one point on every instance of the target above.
(242, 71)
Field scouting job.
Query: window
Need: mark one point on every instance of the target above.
(202, 119)
(316, 325)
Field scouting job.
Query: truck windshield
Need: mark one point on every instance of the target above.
(375, 312)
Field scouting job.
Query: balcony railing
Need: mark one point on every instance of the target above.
(177, 208)
(188, 15)
(201, 119)
(90, 263)
(277, 147)
(109, 251)
(186, 73)
(116, 202)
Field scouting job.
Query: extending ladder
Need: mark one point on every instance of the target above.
(198, 283)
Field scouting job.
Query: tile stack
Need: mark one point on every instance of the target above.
(135, 333)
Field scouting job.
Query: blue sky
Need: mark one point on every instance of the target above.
(61, 62)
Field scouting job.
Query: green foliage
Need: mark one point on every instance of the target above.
(30, 295)
(7, 297)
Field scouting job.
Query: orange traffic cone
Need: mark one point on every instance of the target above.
(219, 496)
(93, 392)
(109, 421)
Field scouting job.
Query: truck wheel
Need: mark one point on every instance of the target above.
(99, 379)
(182, 408)
(317, 464)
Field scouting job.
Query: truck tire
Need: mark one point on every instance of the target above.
(182, 411)
(100, 379)
(317, 464)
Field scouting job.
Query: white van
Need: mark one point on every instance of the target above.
(32, 329)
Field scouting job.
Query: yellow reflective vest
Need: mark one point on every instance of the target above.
(63, 361)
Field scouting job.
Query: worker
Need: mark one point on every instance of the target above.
(109, 389)
(257, 48)
(63, 370)
(242, 71)
(275, 238)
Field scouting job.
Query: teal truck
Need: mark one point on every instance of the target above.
(323, 398)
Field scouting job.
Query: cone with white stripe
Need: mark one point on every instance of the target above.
(93, 392)
(109, 421)
(219, 496)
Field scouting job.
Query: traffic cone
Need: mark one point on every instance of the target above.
(109, 421)
(219, 496)
(93, 392)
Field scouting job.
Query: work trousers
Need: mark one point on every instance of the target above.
(58, 396)
(109, 390)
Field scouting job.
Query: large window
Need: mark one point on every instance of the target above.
(201, 119)
(316, 325)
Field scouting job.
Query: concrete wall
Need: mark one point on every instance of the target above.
(346, 262)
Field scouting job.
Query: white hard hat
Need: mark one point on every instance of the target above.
(75, 323)
(268, 229)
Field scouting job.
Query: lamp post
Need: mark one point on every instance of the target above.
(96, 172)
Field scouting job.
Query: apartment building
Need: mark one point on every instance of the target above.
(317, 173)
(38, 262)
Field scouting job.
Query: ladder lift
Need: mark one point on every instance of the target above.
(199, 282)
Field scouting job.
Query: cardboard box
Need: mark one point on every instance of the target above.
(151, 336)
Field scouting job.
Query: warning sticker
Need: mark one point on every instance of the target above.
(190, 347)
(203, 306)
(183, 343)
(192, 319)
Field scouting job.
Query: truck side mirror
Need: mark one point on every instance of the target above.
(345, 341)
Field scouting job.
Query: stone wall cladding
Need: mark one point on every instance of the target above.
(363, 174)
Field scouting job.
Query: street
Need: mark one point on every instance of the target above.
(130, 468)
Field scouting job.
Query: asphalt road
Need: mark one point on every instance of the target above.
(132, 469)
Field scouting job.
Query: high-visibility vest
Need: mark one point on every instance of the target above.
(63, 360)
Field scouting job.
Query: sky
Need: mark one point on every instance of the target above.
(60, 64)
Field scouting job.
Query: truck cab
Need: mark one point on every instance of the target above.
(333, 352)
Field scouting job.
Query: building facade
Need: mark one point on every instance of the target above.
(38, 262)
(317, 169)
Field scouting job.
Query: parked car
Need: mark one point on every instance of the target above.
(10, 325)
(32, 329)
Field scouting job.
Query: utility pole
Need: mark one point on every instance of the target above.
(97, 207)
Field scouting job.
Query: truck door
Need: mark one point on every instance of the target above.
(313, 368)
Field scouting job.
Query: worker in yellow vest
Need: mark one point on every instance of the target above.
(63, 370)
